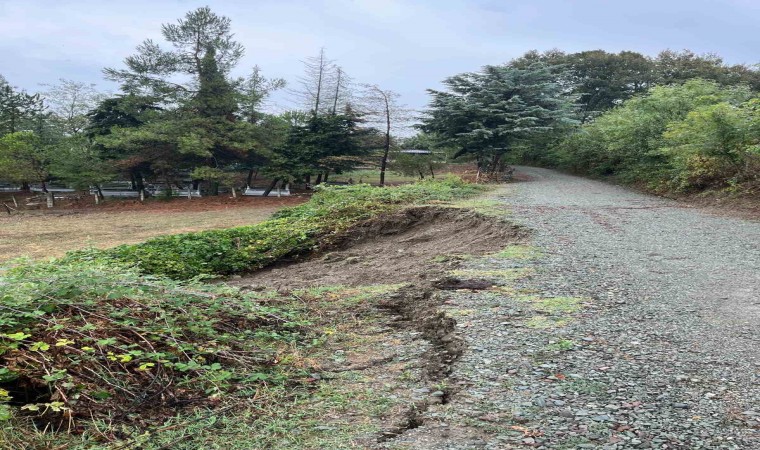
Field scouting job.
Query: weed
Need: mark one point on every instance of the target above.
(562, 346)
(544, 322)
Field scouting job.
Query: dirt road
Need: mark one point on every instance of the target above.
(638, 326)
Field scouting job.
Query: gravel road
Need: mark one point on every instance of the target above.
(662, 351)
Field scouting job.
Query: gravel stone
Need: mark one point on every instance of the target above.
(667, 312)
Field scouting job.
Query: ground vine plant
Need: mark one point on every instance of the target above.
(115, 337)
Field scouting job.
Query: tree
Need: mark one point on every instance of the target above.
(69, 102)
(319, 143)
(325, 86)
(253, 92)
(715, 146)
(80, 162)
(491, 112)
(17, 108)
(628, 141)
(155, 71)
(24, 158)
(677, 67)
(382, 108)
(199, 125)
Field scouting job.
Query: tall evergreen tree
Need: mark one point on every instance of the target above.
(489, 113)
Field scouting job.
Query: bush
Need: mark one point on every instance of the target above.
(104, 339)
(693, 136)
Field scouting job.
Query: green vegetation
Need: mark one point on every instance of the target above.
(681, 138)
(679, 122)
(562, 346)
(294, 231)
(104, 337)
(99, 340)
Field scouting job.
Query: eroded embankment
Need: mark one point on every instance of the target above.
(415, 249)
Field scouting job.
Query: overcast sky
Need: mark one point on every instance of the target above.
(406, 46)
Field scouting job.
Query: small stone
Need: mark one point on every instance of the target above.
(680, 405)
(601, 418)
(438, 394)
(559, 403)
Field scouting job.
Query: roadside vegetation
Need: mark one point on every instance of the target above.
(676, 123)
(682, 138)
(101, 345)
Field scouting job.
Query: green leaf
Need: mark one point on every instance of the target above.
(40, 346)
(20, 336)
(5, 413)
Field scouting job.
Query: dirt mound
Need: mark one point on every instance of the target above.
(412, 245)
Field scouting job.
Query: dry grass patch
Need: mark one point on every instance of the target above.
(50, 236)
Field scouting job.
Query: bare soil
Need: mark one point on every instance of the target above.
(415, 245)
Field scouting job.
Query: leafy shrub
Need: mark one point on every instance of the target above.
(104, 339)
(693, 136)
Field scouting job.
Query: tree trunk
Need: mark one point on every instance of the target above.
(432, 174)
(99, 192)
(249, 180)
(327, 173)
(422, 175)
(234, 194)
(50, 199)
(271, 186)
(25, 186)
(319, 178)
(387, 150)
(337, 92)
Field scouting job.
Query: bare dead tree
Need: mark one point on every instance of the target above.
(70, 101)
(381, 107)
(342, 90)
(318, 71)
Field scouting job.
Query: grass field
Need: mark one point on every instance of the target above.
(42, 236)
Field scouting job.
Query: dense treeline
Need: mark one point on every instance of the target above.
(676, 122)
(181, 118)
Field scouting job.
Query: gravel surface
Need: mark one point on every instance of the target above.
(652, 339)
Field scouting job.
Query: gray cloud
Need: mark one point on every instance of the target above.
(406, 46)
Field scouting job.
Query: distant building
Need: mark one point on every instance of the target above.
(413, 151)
